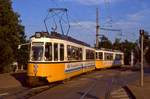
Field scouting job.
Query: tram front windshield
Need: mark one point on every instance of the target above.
(37, 53)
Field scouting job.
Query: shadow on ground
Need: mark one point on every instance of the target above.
(21, 77)
(147, 70)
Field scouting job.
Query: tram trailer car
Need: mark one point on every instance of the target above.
(108, 58)
(56, 57)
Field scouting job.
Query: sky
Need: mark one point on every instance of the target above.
(127, 15)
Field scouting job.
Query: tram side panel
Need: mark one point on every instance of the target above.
(118, 59)
(52, 72)
(88, 57)
(72, 69)
(103, 64)
(107, 59)
(99, 57)
(104, 59)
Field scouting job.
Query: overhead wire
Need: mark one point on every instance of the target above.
(108, 25)
(110, 21)
(109, 16)
(75, 20)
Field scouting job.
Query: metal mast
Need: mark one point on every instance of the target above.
(97, 28)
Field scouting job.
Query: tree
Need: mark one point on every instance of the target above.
(105, 43)
(147, 46)
(127, 47)
(11, 34)
(147, 55)
(117, 44)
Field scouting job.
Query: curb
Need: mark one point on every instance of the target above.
(128, 90)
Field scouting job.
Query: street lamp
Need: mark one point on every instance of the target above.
(19, 46)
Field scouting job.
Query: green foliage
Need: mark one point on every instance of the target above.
(147, 45)
(127, 47)
(117, 44)
(124, 46)
(23, 55)
(147, 55)
(11, 34)
(6, 53)
(105, 43)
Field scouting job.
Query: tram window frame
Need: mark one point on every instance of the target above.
(69, 52)
(80, 54)
(61, 50)
(77, 53)
(100, 55)
(37, 53)
(108, 56)
(49, 53)
(55, 51)
(118, 57)
(87, 54)
(97, 55)
(74, 53)
(90, 54)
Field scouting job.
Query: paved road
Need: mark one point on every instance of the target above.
(95, 85)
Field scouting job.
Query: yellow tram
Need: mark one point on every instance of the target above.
(108, 58)
(57, 57)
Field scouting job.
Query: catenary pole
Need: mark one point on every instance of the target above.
(142, 71)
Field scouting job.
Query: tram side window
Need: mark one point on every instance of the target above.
(87, 54)
(111, 56)
(90, 54)
(118, 57)
(55, 52)
(48, 51)
(108, 56)
(100, 55)
(74, 53)
(61, 52)
(80, 54)
(97, 55)
(69, 52)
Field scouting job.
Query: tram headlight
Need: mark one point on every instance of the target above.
(35, 70)
(37, 34)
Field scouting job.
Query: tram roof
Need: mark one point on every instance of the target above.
(57, 35)
(111, 50)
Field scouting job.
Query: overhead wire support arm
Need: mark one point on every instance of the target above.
(108, 29)
(58, 9)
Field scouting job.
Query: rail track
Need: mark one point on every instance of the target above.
(29, 92)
